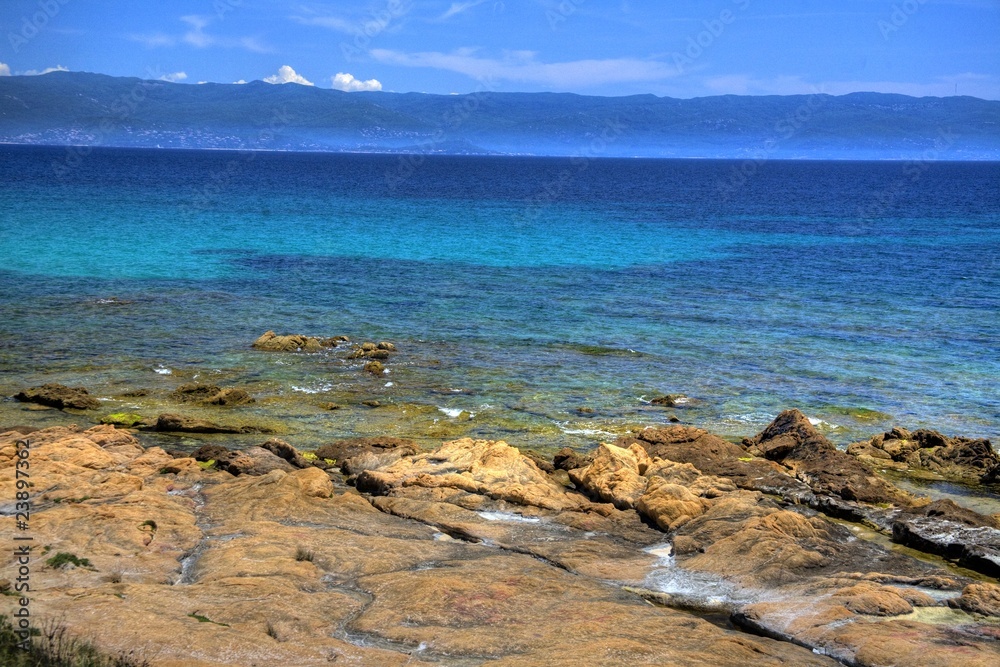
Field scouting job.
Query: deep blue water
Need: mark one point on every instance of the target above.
(518, 289)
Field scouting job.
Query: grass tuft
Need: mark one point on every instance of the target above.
(62, 559)
(52, 647)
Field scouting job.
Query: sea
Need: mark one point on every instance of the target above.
(543, 301)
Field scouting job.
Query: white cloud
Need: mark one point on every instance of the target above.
(4, 69)
(47, 70)
(459, 7)
(287, 75)
(347, 83)
(522, 66)
(241, 81)
(174, 78)
(331, 22)
(197, 37)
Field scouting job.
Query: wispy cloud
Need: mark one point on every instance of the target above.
(176, 77)
(331, 22)
(47, 70)
(459, 8)
(153, 40)
(4, 69)
(523, 67)
(197, 36)
(288, 75)
(347, 83)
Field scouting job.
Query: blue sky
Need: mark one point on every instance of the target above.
(612, 47)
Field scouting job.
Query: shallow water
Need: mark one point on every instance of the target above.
(546, 315)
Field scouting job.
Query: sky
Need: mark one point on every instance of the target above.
(673, 48)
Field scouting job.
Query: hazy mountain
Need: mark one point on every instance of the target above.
(75, 108)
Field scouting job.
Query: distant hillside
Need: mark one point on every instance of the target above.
(65, 108)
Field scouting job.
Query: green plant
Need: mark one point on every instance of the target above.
(63, 558)
(53, 647)
(205, 619)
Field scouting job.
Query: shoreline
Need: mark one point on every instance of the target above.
(470, 550)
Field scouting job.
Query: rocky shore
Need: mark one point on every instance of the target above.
(667, 546)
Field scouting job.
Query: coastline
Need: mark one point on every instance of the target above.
(473, 550)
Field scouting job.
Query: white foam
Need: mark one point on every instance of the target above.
(749, 418)
(820, 423)
(389, 384)
(455, 413)
(583, 431)
(508, 516)
(665, 551)
(316, 389)
(162, 370)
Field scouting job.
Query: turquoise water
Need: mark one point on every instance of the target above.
(538, 300)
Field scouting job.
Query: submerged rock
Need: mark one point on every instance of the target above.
(272, 342)
(210, 394)
(59, 396)
(965, 459)
(172, 423)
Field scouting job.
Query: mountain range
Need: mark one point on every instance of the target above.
(78, 108)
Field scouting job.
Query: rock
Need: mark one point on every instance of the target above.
(795, 443)
(671, 401)
(171, 423)
(615, 475)
(669, 505)
(543, 463)
(378, 351)
(567, 459)
(492, 469)
(19, 429)
(272, 342)
(285, 451)
(231, 397)
(59, 396)
(194, 392)
(124, 419)
(714, 456)
(210, 394)
(964, 459)
(871, 599)
(343, 450)
(372, 403)
(979, 598)
(207, 453)
(957, 533)
(439, 572)
(253, 461)
(374, 367)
